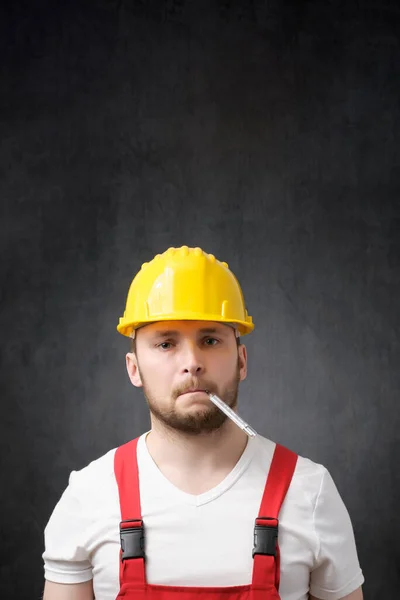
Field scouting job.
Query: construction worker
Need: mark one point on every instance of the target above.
(197, 506)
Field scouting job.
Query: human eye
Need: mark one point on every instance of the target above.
(210, 341)
(164, 345)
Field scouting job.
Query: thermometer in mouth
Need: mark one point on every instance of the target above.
(231, 414)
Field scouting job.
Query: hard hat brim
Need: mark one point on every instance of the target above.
(127, 328)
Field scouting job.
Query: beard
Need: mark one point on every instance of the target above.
(210, 418)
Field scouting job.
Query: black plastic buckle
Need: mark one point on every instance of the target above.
(132, 539)
(265, 536)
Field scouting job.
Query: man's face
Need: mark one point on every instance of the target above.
(176, 357)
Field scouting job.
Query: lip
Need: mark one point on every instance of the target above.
(196, 391)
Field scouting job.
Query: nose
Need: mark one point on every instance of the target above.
(191, 362)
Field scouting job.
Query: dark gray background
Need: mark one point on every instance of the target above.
(264, 132)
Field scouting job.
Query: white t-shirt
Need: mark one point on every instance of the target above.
(190, 540)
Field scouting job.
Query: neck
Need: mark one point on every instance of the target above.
(202, 453)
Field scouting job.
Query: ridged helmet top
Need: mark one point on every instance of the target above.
(184, 284)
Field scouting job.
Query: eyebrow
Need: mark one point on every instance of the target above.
(172, 332)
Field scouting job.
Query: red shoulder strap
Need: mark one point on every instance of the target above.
(127, 476)
(280, 475)
(278, 481)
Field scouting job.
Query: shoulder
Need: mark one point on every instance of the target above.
(92, 482)
(95, 471)
(308, 476)
(95, 485)
(92, 489)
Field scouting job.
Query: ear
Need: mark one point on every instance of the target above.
(133, 369)
(242, 353)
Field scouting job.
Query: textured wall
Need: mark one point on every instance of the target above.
(266, 133)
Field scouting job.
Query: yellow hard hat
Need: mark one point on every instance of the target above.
(184, 284)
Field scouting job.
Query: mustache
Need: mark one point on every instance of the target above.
(192, 385)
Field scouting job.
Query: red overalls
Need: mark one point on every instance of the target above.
(266, 569)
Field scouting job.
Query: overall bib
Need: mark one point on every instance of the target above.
(266, 558)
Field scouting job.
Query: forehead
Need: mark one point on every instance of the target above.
(186, 327)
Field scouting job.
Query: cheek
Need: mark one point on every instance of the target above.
(156, 373)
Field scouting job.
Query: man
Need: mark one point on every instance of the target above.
(195, 507)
